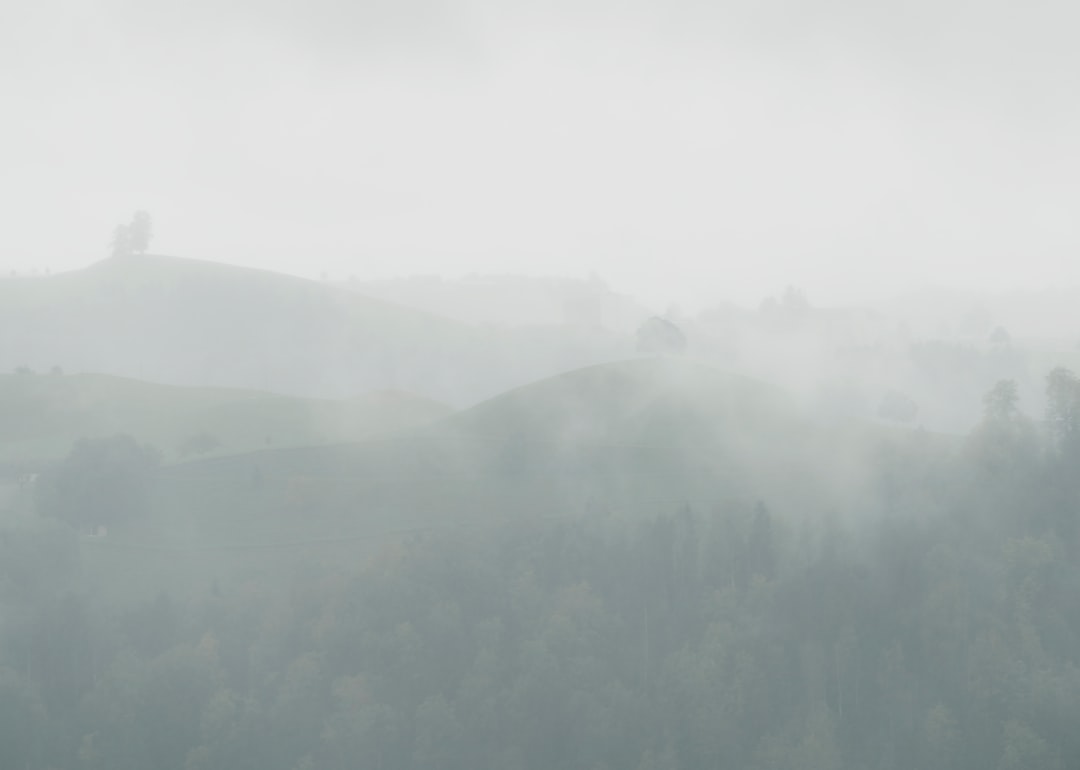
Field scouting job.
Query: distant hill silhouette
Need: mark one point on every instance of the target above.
(187, 322)
(631, 439)
(513, 300)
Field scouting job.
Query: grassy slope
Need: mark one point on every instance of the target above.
(636, 438)
(188, 322)
(199, 323)
(42, 415)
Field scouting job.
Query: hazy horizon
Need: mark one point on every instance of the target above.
(683, 153)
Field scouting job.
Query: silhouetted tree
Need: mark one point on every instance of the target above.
(794, 301)
(1000, 337)
(121, 241)
(1063, 408)
(1001, 403)
(1005, 444)
(140, 231)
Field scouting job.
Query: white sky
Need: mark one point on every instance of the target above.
(683, 150)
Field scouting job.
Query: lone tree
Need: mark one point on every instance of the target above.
(133, 238)
(121, 241)
(141, 232)
(101, 481)
(1000, 337)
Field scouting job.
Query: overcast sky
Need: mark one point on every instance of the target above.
(684, 150)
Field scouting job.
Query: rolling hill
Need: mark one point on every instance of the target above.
(633, 439)
(42, 415)
(186, 322)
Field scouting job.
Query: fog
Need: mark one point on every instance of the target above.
(465, 385)
(683, 151)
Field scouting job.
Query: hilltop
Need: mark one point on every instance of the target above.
(187, 322)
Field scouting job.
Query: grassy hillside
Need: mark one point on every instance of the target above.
(621, 440)
(42, 415)
(187, 322)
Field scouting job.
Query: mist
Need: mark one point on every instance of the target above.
(453, 384)
(681, 151)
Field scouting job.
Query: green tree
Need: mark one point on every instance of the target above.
(1005, 441)
(1002, 401)
(1000, 337)
(1063, 408)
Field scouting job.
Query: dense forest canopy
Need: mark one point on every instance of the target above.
(937, 627)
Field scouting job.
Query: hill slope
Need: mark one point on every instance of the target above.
(42, 415)
(187, 322)
(633, 439)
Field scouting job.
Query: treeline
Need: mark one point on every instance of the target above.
(935, 624)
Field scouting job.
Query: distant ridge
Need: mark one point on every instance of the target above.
(625, 433)
(190, 322)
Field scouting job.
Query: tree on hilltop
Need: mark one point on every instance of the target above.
(141, 232)
(121, 241)
(133, 238)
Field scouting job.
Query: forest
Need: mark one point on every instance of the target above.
(575, 385)
(935, 626)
